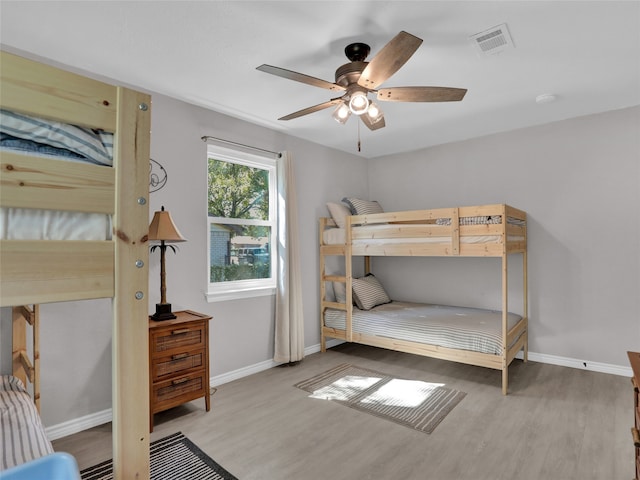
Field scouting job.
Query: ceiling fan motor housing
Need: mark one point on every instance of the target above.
(349, 73)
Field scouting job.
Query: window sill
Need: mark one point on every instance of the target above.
(226, 295)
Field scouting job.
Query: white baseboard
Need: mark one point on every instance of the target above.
(78, 424)
(579, 364)
(259, 367)
(89, 421)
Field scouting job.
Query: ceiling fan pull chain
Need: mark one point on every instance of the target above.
(358, 136)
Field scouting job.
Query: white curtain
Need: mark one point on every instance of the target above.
(289, 331)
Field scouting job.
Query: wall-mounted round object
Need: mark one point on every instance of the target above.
(546, 98)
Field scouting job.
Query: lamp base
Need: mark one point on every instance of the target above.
(163, 312)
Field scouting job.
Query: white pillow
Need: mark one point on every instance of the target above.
(339, 213)
(368, 292)
(340, 292)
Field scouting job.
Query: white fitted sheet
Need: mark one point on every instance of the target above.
(31, 224)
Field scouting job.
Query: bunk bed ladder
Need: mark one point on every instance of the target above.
(348, 273)
(23, 368)
(333, 250)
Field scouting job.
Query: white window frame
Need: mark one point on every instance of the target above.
(222, 291)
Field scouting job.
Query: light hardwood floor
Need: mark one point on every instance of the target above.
(557, 423)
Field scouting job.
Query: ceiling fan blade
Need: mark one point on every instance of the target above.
(421, 94)
(315, 108)
(299, 77)
(372, 126)
(389, 60)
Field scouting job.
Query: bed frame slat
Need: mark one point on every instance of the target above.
(54, 271)
(37, 89)
(35, 182)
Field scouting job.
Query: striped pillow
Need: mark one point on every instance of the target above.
(368, 292)
(362, 207)
(96, 146)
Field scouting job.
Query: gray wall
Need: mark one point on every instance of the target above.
(568, 176)
(579, 182)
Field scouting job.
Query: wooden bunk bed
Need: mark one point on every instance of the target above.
(476, 231)
(35, 271)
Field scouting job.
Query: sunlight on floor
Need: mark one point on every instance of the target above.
(402, 393)
(396, 392)
(345, 388)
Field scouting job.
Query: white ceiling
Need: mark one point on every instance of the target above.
(206, 53)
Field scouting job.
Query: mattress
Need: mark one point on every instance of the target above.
(22, 435)
(462, 328)
(337, 236)
(30, 224)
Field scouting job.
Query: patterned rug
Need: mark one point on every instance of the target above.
(172, 458)
(416, 404)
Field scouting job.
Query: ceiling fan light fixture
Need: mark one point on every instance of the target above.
(374, 112)
(358, 103)
(342, 113)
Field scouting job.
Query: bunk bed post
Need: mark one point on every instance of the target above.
(367, 265)
(36, 355)
(323, 288)
(130, 374)
(455, 231)
(348, 272)
(525, 307)
(505, 305)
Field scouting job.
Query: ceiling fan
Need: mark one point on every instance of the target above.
(358, 78)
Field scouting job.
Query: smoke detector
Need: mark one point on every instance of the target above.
(492, 41)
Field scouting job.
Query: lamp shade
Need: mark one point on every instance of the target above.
(359, 103)
(342, 113)
(163, 228)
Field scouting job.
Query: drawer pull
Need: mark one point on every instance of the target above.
(179, 356)
(180, 380)
(180, 331)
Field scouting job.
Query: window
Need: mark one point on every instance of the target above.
(241, 216)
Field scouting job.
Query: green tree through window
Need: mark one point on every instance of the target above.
(238, 191)
(241, 216)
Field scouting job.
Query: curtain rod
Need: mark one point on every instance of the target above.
(230, 142)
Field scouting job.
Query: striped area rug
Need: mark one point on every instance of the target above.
(172, 458)
(416, 404)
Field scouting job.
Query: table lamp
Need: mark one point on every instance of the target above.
(163, 229)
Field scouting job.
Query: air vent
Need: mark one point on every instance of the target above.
(492, 41)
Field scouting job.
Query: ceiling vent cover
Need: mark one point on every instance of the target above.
(492, 41)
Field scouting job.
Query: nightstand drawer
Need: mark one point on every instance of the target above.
(174, 364)
(178, 337)
(179, 390)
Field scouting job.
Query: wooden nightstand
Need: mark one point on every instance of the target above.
(178, 361)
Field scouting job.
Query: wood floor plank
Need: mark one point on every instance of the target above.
(557, 423)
